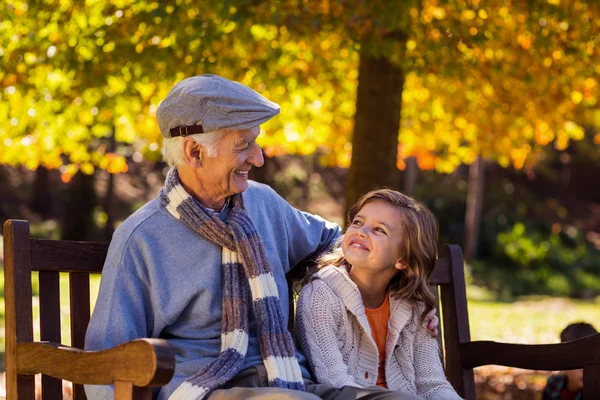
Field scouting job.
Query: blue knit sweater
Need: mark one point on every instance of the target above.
(162, 280)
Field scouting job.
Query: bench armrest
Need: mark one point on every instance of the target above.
(143, 362)
(549, 357)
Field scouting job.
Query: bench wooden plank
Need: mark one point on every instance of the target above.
(17, 304)
(50, 325)
(79, 295)
(456, 323)
(67, 256)
(548, 357)
(591, 381)
(441, 275)
(143, 362)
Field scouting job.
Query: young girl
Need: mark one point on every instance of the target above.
(359, 320)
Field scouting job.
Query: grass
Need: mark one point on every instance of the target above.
(528, 321)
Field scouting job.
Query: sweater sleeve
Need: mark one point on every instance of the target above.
(308, 235)
(123, 310)
(430, 379)
(317, 328)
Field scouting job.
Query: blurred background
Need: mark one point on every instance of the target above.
(487, 111)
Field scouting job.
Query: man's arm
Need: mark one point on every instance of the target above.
(308, 235)
(122, 311)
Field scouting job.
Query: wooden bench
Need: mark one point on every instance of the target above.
(137, 366)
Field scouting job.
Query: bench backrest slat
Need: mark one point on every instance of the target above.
(50, 325)
(49, 306)
(79, 298)
(17, 305)
(591, 383)
(456, 322)
(67, 256)
(442, 274)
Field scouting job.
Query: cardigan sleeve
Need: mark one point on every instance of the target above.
(430, 379)
(318, 318)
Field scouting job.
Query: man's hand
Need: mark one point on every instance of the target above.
(431, 322)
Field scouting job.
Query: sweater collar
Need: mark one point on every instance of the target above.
(338, 279)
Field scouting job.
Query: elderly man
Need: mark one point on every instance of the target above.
(203, 264)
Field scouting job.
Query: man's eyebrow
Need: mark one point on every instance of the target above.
(249, 137)
(244, 139)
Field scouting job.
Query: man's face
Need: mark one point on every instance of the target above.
(227, 173)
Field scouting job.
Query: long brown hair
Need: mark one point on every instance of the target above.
(418, 248)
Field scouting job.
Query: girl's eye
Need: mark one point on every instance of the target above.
(356, 222)
(381, 230)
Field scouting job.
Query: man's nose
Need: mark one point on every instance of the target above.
(256, 156)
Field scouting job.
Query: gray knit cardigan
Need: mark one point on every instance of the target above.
(335, 336)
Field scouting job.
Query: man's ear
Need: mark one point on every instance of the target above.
(400, 265)
(193, 153)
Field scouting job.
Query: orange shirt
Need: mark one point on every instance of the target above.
(378, 321)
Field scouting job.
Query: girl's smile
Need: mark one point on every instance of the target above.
(355, 243)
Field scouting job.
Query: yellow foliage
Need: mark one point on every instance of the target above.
(479, 80)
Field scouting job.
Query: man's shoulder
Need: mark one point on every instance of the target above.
(256, 189)
(148, 224)
(260, 198)
(148, 214)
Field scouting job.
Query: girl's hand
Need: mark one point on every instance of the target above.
(431, 322)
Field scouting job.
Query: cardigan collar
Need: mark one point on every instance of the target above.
(338, 279)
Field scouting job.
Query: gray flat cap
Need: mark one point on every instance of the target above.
(206, 103)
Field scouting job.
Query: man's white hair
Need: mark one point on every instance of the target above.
(172, 148)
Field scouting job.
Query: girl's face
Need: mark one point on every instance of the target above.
(372, 241)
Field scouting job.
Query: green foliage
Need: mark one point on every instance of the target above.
(534, 260)
(523, 249)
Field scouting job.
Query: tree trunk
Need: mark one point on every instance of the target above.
(376, 127)
(41, 201)
(410, 176)
(108, 196)
(474, 206)
(78, 221)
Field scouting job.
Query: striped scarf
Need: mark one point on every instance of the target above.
(243, 260)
